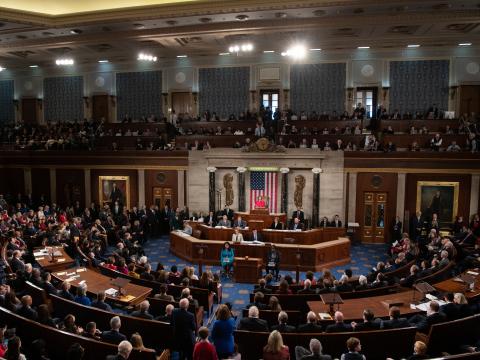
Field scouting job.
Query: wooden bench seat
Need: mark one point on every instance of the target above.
(295, 317)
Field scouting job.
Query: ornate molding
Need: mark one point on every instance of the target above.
(264, 145)
(211, 169)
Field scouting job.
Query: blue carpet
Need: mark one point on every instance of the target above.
(363, 257)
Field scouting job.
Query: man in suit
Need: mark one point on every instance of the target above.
(16, 263)
(296, 225)
(336, 222)
(311, 326)
(434, 316)
(227, 211)
(142, 311)
(283, 326)
(299, 214)
(450, 309)
(47, 285)
(100, 303)
(262, 287)
(256, 236)
(276, 224)
(114, 336)
(315, 352)
(116, 195)
(184, 328)
(369, 322)
(224, 222)
(339, 325)
(252, 322)
(168, 314)
(210, 219)
(416, 225)
(258, 301)
(242, 224)
(395, 321)
(307, 288)
(410, 279)
(124, 350)
(26, 309)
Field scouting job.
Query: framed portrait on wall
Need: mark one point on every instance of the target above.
(114, 188)
(438, 197)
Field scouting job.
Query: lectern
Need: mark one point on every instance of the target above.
(247, 269)
(331, 299)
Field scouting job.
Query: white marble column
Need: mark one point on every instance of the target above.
(474, 193)
(27, 180)
(88, 187)
(53, 185)
(352, 197)
(141, 187)
(181, 188)
(401, 181)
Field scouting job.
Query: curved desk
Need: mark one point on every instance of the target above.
(313, 257)
(308, 237)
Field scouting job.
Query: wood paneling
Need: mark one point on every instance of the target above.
(29, 110)
(463, 196)
(41, 183)
(100, 107)
(181, 102)
(12, 181)
(70, 186)
(94, 174)
(164, 179)
(469, 99)
(377, 182)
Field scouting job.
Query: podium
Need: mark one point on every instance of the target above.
(260, 211)
(247, 269)
(331, 299)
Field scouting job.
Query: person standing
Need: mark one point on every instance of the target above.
(222, 332)
(184, 328)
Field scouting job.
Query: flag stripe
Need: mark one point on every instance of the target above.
(264, 184)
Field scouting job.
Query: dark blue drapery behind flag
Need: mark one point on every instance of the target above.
(264, 183)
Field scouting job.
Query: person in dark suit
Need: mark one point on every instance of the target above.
(210, 219)
(276, 224)
(142, 312)
(114, 336)
(315, 352)
(262, 287)
(258, 301)
(283, 326)
(296, 225)
(65, 291)
(336, 222)
(324, 222)
(339, 325)
(273, 261)
(26, 309)
(252, 322)
(227, 211)
(16, 263)
(184, 328)
(116, 195)
(240, 223)
(299, 214)
(124, 350)
(47, 285)
(424, 323)
(369, 322)
(416, 225)
(411, 278)
(224, 222)
(100, 303)
(311, 326)
(450, 309)
(395, 321)
(307, 288)
(397, 229)
(256, 236)
(168, 314)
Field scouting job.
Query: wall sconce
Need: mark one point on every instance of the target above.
(85, 100)
(113, 100)
(40, 103)
(16, 104)
(195, 97)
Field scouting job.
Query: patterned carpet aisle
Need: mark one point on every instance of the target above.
(363, 258)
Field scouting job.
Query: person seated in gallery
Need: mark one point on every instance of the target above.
(242, 224)
(261, 202)
(296, 225)
(256, 236)
(226, 258)
(237, 236)
(336, 222)
(210, 219)
(224, 222)
(276, 224)
(299, 214)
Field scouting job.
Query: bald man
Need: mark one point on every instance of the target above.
(184, 328)
(339, 325)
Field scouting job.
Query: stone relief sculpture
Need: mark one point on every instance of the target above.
(299, 186)
(227, 184)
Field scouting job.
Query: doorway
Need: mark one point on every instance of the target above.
(181, 103)
(270, 99)
(367, 96)
(373, 222)
(29, 111)
(162, 196)
(100, 107)
(469, 99)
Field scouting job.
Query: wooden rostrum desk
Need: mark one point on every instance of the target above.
(308, 257)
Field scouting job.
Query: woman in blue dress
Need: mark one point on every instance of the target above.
(226, 258)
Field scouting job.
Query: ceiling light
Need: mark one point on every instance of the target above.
(33, 66)
(182, 56)
(317, 49)
(2, 68)
(296, 52)
(268, 51)
(75, 31)
(146, 57)
(465, 44)
(64, 62)
(363, 47)
(413, 45)
(224, 53)
(242, 47)
(103, 61)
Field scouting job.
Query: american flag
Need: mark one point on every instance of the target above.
(264, 183)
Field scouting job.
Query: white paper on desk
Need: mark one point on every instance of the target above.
(472, 273)
(61, 259)
(111, 292)
(61, 273)
(40, 253)
(431, 297)
(325, 316)
(424, 306)
(255, 243)
(412, 306)
(82, 282)
(39, 258)
(71, 278)
(70, 274)
(81, 270)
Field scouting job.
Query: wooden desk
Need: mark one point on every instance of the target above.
(97, 282)
(247, 269)
(308, 237)
(314, 257)
(353, 309)
(264, 216)
(61, 258)
(454, 286)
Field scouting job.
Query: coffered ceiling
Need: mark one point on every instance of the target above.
(38, 32)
